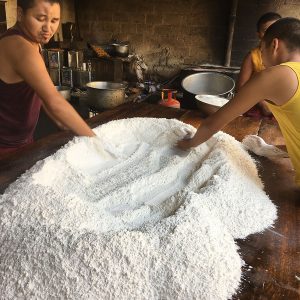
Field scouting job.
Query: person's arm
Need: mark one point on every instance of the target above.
(61, 126)
(30, 66)
(264, 108)
(245, 72)
(277, 84)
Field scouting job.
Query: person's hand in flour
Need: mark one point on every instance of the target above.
(185, 143)
(101, 148)
(192, 139)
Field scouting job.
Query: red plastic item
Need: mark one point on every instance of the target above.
(169, 101)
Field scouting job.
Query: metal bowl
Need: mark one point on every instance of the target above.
(209, 83)
(209, 104)
(120, 49)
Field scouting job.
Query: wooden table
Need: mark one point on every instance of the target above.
(272, 269)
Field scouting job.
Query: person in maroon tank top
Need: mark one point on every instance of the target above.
(25, 84)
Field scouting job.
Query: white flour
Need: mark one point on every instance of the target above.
(258, 146)
(212, 100)
(153, 223)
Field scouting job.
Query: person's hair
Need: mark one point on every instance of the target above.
(267, 17)
(26, 4)
(285, 29)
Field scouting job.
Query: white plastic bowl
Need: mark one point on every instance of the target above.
(209, 104)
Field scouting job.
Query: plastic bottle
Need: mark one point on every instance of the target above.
(169, 101)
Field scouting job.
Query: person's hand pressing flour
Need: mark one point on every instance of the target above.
(184, 133)
(185, 141)
(102, 148)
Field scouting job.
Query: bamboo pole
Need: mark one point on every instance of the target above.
(231, 31)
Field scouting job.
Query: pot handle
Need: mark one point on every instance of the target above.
(230, 95)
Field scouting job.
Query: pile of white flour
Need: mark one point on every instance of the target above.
(152, 223)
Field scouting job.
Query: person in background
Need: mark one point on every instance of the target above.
(253, 64)
(24, 81)
(278, 84)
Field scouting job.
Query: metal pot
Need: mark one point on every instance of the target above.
(209, 83)
(104, 94)
(120, 49)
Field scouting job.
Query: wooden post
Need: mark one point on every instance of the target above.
(231, 31)
(78, 36)
(3, 23)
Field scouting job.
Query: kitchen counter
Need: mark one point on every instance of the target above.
(272, 269)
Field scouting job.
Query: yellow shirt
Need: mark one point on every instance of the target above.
(257, 60)
(288, 117)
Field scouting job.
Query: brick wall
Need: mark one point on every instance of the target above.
(169, 34)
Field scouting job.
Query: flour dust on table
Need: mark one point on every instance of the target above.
(147, 221)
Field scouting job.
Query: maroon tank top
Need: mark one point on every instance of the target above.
(19, 110)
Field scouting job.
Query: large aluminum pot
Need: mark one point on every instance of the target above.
(209, 83)
(105, 95)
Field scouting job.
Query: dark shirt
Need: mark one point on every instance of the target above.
(19, 109)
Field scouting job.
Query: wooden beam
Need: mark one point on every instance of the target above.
(231, 31)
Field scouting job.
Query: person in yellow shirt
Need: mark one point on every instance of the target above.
(253, 64)
(278, 84)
